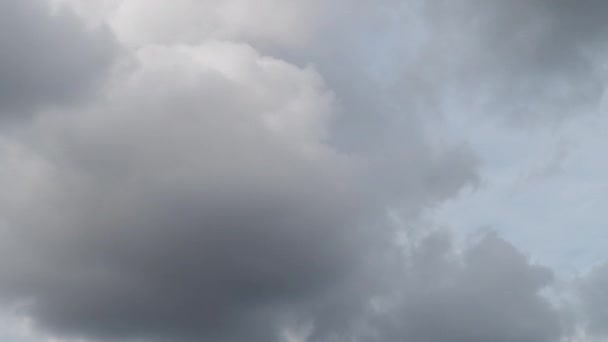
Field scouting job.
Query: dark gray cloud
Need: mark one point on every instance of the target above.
(196, 200)
(201, 217)
(47, 59)
(433, 291)
(593, 292)
(488, 292)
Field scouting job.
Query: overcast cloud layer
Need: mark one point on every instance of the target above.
(227, 171)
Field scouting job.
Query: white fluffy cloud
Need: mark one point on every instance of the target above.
(141, 22)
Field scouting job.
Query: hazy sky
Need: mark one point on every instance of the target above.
(303, 171)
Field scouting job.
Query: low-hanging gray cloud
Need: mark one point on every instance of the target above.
(233, 181)
(196, 199)
(48, 58)
(186, 212)
(488, 292)
(594, 298)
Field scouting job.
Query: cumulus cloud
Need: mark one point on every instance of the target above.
(247, 171)
(488, 292)
(48, 58)
(212, 196)
(594, 297)
(197, 198)
(265, 22)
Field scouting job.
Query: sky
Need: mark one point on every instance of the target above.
(303, 171)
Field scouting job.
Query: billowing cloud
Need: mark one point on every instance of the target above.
(195, 199)
(197, 190)
(488, 292)
(253, 171)
(48, 58)
(266, 22)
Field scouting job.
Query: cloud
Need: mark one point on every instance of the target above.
(48, 59)
(489, 291)
(528, 61)
(592, 292)
(199, 197)
(234, 176)
(265, 22)
(197, 192)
